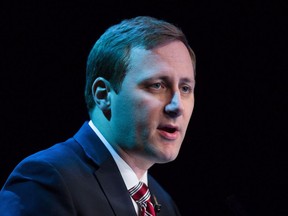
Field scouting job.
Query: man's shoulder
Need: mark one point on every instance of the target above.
(59, 156)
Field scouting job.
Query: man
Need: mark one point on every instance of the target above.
(140, 81)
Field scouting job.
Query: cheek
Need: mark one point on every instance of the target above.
(137, 109)
(189, 107)
(130, 109)
(149, 107)
(146, 119)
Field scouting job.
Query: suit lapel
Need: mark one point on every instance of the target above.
(114, 188)
(107, 173)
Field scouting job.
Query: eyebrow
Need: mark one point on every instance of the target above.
(187, 80)
(182, 80)
(167, 79)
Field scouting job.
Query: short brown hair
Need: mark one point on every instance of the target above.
(109, 57)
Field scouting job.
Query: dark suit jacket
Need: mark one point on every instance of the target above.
(75, 177)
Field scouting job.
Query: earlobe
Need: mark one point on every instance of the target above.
(101, 93)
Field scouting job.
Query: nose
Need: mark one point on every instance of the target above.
(175, 107)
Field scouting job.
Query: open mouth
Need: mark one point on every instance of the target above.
(168, 129)
(169, 132)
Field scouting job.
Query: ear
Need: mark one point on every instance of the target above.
(101, 90)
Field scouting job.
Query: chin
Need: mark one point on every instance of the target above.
(166, 158)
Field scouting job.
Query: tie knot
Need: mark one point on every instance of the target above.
(141, 194)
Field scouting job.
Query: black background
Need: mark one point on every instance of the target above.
(235, 150)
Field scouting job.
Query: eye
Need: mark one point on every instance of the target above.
(186, 89)
(157, 85)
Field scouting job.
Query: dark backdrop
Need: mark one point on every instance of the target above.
(234, 155)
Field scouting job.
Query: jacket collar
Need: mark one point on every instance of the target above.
(106, 171)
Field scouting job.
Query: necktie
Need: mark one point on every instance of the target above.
(141, 194)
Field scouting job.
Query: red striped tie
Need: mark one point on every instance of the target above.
(141, 194)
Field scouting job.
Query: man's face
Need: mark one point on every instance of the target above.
(151, 112)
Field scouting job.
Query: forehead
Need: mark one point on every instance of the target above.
(167, 60)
